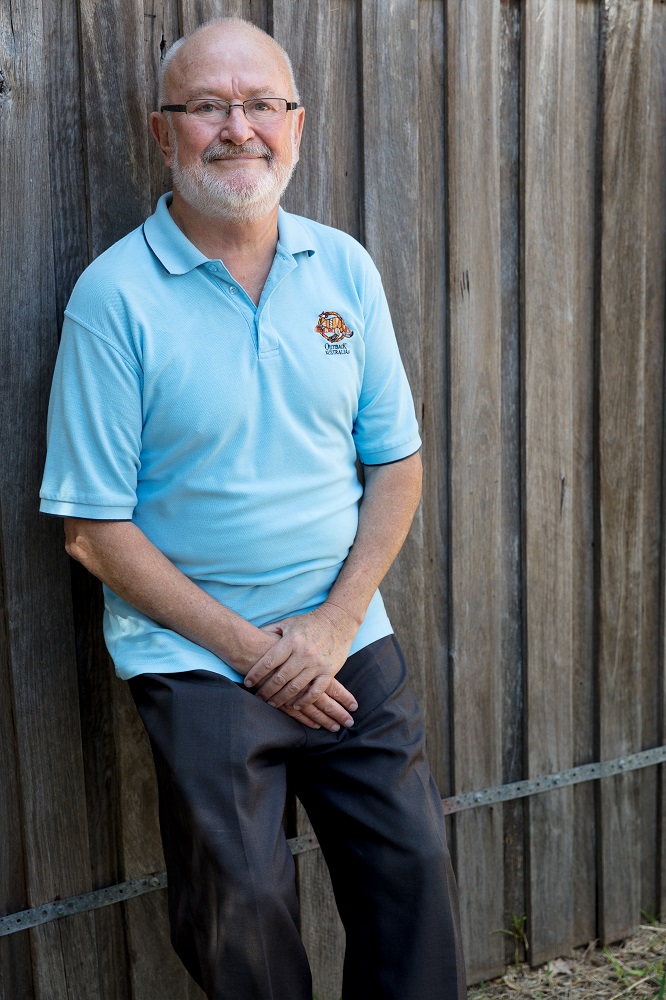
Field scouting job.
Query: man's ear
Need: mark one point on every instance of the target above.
(159, 126)
(297, 131)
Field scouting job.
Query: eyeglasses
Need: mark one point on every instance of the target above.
(265, 111)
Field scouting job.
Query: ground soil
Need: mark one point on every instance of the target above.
(634, 969)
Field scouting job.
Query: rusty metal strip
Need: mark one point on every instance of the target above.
(21, 921)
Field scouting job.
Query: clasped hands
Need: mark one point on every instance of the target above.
(297, 673)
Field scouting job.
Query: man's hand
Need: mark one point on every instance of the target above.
(298, 671)
(329, 712)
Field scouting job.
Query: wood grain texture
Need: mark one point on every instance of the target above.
(621, 460)
(161, 30)
(512, 683)
(550, 478)
(114, 107)
(390, 208)
(15, 958)
(433, 331)
(658, 114)
(323, 45)
(195, 12)
(585, 137)
(474, 289)
(41, 673)
(653, 532)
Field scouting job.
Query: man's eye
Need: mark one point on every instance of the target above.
(206, 108)
(263, 106)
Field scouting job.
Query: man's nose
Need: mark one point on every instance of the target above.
(236, 128)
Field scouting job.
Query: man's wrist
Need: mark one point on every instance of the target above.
(249, 646)
(348, 616)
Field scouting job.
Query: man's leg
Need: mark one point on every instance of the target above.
(378, 817)
(219, 755)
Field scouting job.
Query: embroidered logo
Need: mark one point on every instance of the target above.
(332, 327)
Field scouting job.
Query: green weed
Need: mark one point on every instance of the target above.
(651, 972)
(518, 933)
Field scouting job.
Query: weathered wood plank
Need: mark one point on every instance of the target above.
(658, 115)
(160, 32)
(389, 212)
(323, 48)
(40, 661)
(67, 173)
(653, 530)
(116, 135)
(513, 752)
(15, 957)
(626, 75)
(549, 39)
(585, 125)
(475, 465)
(432, 325)
(195, 12)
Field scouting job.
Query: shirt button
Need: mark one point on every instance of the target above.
(232, 290)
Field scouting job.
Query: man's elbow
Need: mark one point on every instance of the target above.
(76, 545)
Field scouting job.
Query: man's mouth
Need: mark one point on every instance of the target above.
(242, 153)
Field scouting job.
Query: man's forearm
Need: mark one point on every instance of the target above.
(390, 498)
(119, 554)
(314, 646)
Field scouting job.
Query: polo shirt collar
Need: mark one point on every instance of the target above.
(169, 244)
(173, 249)
(293, 236)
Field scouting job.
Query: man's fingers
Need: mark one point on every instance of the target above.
(311, 723)
(273, 658)
(280, 688)
(339, 693)
(332, 710)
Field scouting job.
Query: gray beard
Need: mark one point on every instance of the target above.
(231, 201)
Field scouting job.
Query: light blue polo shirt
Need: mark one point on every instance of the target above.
(227, 432)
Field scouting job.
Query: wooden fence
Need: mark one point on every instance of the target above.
(504, 163)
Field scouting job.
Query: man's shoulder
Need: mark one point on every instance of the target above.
(115, 273)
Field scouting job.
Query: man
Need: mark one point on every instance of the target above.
(220, 370)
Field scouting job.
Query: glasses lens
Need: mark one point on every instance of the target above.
(208, 110)
(266, 110)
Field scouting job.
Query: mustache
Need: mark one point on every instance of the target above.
(227, 151)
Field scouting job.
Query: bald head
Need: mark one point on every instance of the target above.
(186, 63)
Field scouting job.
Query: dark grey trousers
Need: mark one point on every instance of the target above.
(225, 761)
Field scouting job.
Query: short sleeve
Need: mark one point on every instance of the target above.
(94, 429)
(385, 429)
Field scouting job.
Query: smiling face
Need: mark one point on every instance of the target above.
(238, 170)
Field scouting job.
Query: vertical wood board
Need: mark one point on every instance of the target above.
(583, 496)
(651, 672)
(433, 330)
(474, 289)
(548, 272)
(511, 504)
(115, 128)
(621, 461)
(388, 54)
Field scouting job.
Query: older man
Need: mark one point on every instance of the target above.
(221, 369)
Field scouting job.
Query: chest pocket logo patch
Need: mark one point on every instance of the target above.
(333, 328)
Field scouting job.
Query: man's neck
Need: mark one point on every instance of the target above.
(245, 248)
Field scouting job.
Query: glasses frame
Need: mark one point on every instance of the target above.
(291, 105)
